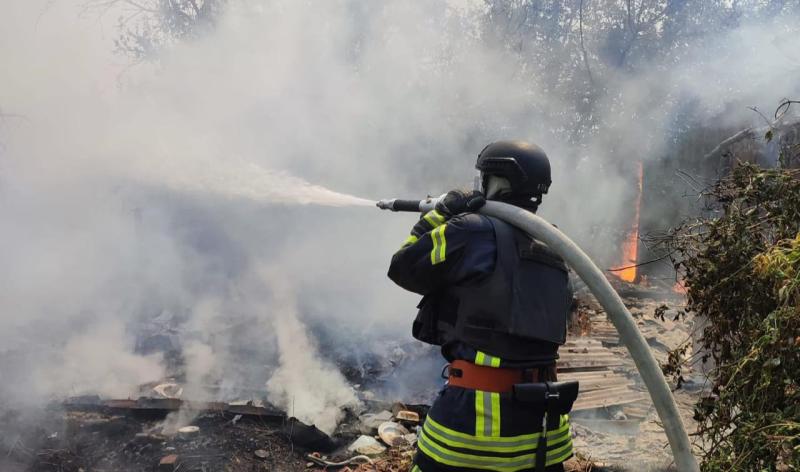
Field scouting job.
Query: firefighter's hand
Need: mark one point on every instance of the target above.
(460, 201)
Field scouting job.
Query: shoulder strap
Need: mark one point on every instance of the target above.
(506, 243)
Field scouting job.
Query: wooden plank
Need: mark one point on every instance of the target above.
(564, 370)
(165, 405)
(601, 379)
(600, 404)
(591, 385)
(628, 427)
(603, 398)
(572, 357)
(611, 397)
(596, 375)
(575, 361)
(587, 352)
(594, 384)
(583, 352)
(581, 340)
(607, 391)
(638, 410)
(588, 363)
(603, 374)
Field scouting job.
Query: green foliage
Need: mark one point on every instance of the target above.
(742, 268)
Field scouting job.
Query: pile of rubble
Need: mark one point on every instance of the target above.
(614, 421)
(386, 441)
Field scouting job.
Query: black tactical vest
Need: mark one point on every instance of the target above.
(519, 312)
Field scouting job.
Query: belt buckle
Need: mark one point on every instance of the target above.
(450, 372)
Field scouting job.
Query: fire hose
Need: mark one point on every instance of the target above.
(619, 315)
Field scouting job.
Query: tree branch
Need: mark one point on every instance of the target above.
(583, 47)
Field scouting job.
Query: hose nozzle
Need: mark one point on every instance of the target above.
(386, 204)
(395, 204)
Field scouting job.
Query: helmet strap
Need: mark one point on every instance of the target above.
(526, 202)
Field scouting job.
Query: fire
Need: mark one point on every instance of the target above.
(630, 247)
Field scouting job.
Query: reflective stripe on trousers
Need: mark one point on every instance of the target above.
(498, 453)
(475, 429)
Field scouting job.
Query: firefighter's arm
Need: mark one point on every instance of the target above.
(442, 252)
(454, 203)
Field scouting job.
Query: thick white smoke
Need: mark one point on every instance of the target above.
(127, 193)
(308, 387)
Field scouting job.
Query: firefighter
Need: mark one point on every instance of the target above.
(497, 303)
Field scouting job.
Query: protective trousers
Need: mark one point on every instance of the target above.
(473, 430)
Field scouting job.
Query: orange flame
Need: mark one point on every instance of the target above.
(630, 247)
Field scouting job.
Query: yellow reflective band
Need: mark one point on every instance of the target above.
(439, 245)
(481, 358)
(434, 218)
(505, 464)
(559, 455)
(480, 419)
(495, 414)
(553, 439)
(460, 440)
(460, 459)
(487, 414)
(410, 240)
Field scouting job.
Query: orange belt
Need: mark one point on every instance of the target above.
(494, 379)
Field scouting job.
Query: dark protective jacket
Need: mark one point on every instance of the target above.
(487, 285)
(497, 298)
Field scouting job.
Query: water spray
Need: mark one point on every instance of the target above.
(619, 315)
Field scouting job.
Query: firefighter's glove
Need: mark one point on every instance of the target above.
(460, 201)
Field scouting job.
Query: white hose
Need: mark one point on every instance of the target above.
(648, 368)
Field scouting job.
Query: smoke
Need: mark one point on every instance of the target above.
(81, 371)
(127, 193)
(304, 385)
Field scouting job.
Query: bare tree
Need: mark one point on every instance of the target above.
(147, 26)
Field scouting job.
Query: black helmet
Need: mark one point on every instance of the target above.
(524, 165)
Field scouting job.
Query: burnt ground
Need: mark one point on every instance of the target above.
(63, 440)
(73, 441)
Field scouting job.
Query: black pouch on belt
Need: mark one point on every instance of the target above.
(555, 399)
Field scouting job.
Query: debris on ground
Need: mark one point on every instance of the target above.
(367, 445)
(614, 421)
(168, 463)
(393, 434)
(406, 416)
(370, 422)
